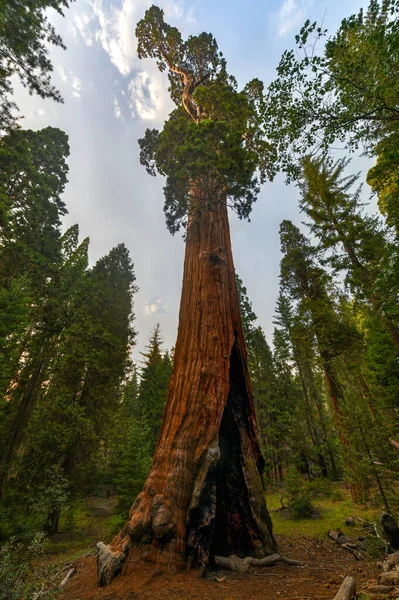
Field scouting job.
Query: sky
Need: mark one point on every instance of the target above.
(111, 97)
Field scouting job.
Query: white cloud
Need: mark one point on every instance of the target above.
(155, 306)
(82, 26)
(76, 86)
(112, 27)
(145, 96)
(117, 108)
(63, 75)
(71, 79)
(291, 15)
(38, 113)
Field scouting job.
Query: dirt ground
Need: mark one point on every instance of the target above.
(325, 566)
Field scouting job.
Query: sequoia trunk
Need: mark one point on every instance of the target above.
(204, 494)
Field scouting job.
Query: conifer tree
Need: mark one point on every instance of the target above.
(154, 382)
(355, 241)
(74, 413)
(31, 269)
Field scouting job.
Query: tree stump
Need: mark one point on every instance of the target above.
(347, 591)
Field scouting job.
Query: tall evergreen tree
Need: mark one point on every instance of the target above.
(307, 282)
(336, 220)
(72, 422)
(31, 271)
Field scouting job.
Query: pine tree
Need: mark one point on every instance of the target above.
(31, 270)
(307, 282)
(338, 223)
(72, 424)
(154, 383)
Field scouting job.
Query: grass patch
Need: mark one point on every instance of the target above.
(90, 521)
(333, 514)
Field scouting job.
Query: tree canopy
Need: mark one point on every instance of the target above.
(345, 92)
(214, 139)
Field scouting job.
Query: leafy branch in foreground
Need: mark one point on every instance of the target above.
(346, 92)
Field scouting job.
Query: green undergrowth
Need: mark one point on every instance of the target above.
(331, 514)
(90, 521)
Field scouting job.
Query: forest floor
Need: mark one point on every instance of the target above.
(325, 564)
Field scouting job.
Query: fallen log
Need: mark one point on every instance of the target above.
(379, 589)
(235, 563)
(390, 563)
(390, 578)
(347, 544)
(395, 444)
(347, 591)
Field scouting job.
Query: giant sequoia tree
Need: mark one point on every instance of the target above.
(204, 493)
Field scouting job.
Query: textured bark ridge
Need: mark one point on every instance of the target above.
(204, 494)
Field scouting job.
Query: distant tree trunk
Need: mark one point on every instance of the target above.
(358, 490)
(336, 399)
(204, 494)
(52, 523)
(11, 443)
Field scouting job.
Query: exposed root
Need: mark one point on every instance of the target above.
(234, 563)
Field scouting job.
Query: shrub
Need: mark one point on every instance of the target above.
(17, 578)
(299, 496)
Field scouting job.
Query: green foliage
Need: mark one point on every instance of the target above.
(213, 143)
(248, 316)
(298, 494)
(154, 383)
(384, 179)
(345, 92)
(16, 574)
(25, 34)
(355, 240)
(67, 333)
(131, 463)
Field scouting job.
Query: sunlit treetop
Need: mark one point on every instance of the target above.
(214, 140)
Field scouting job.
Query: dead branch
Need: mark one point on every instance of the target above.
(379, 589)
(391, 562)
(395, 444)
(67, 577)
(282, 507)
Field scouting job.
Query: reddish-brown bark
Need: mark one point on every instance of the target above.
(204, 493)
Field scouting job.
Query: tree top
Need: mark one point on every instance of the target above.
(215, 135)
